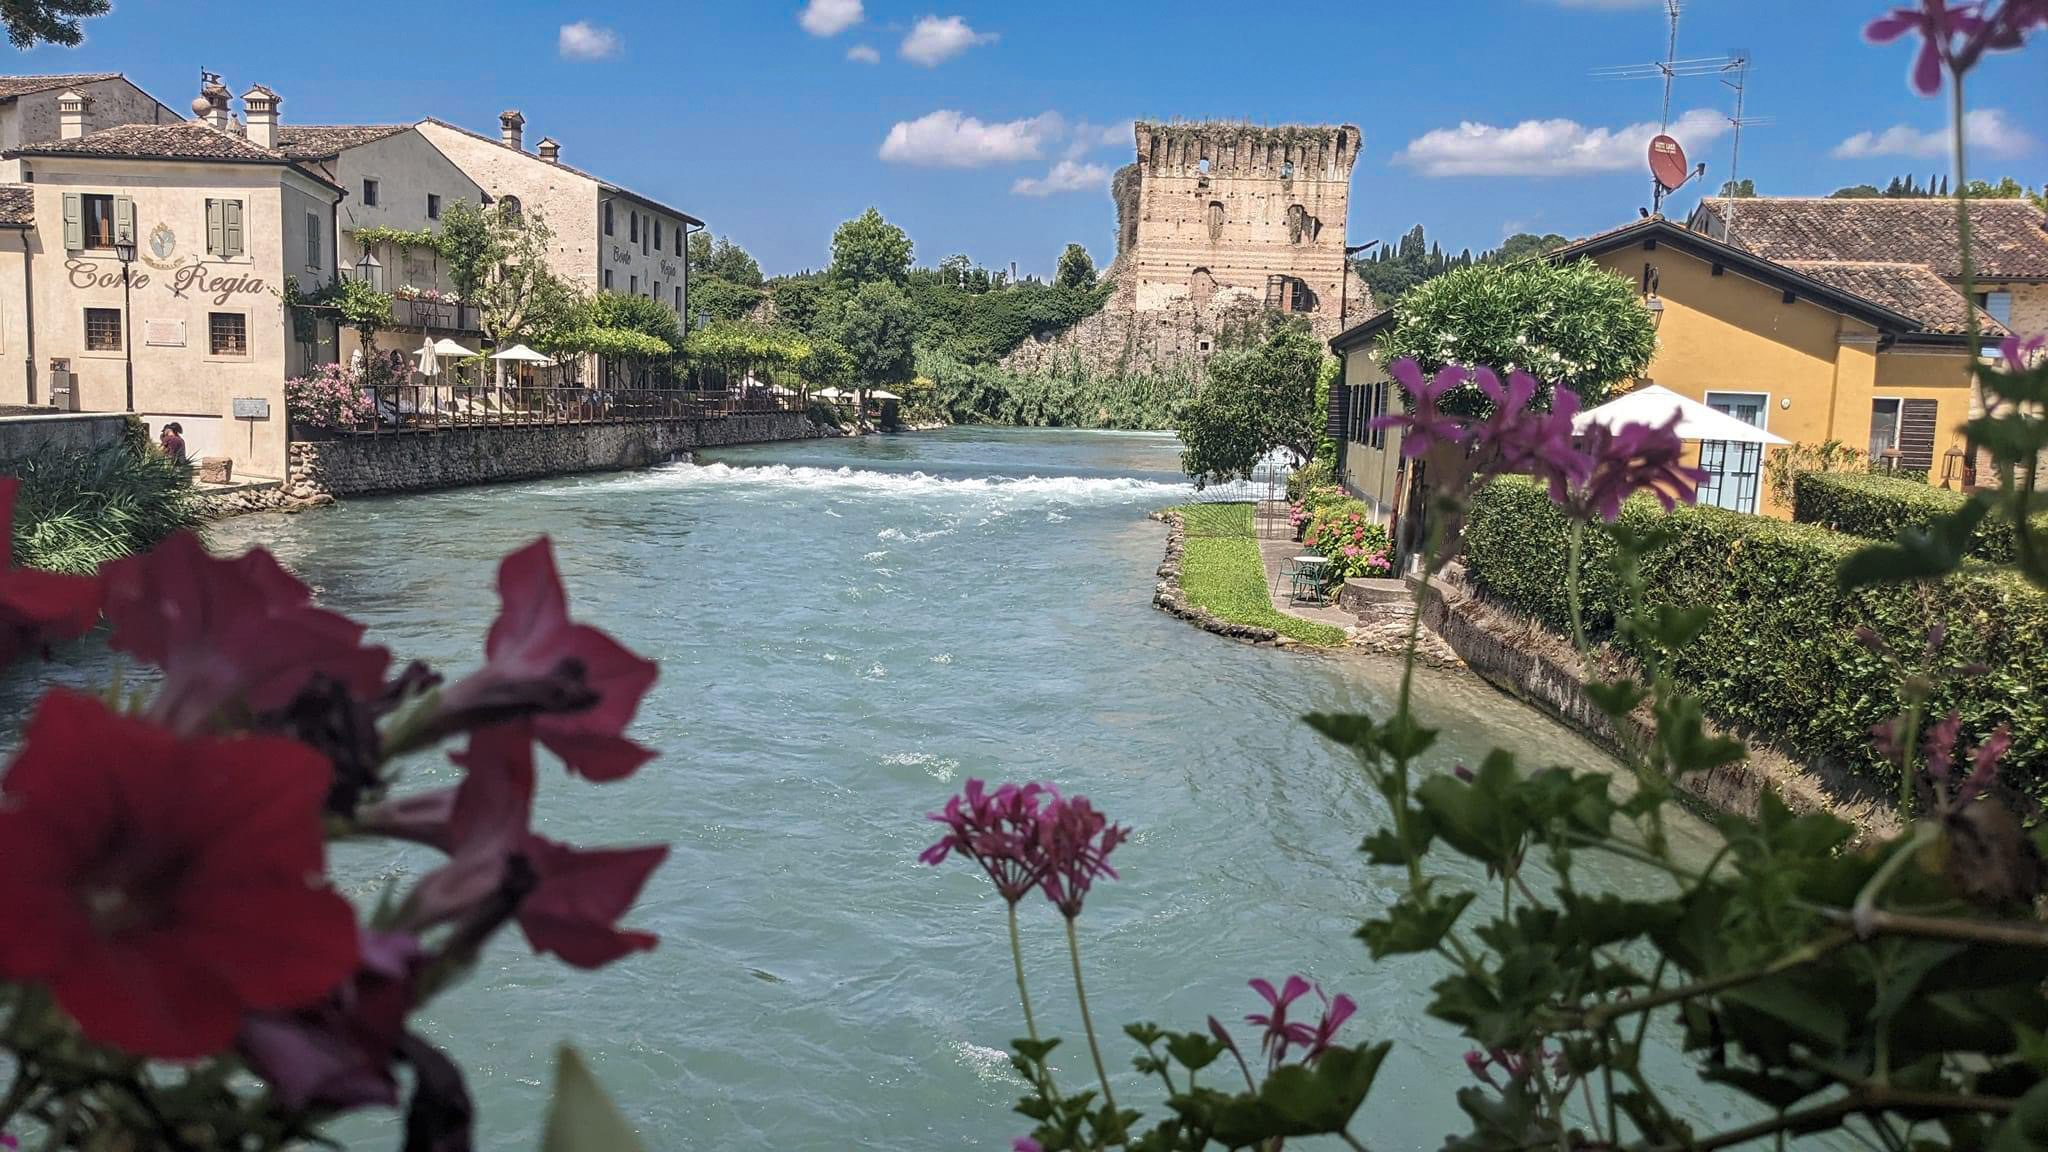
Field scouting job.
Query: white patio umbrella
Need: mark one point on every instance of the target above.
(828, 393)
(882, 394)
(521, 352)
(447, 347)
(1655, 405)
(781, 390)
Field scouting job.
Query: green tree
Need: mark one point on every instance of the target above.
(1256, 400)
(1740, 189)
(1076, 268)
(2006, 189)
(1523, 246)
(30, 22)
(730, 262)
(876, 327)
(498, 261)
(1577, 325)
(868, 248)
(699, 249)
(630, 313)
(1856, 192)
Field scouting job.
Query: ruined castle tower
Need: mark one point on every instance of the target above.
(1217, 222)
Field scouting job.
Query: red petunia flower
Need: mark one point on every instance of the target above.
(226, 631)
(566, 900)
(339, 1054)
(37, 607)
(162, 887)
(535, 654)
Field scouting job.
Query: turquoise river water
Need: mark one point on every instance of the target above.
(847, 631)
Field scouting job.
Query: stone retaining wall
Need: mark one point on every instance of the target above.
(1526, 660)
(452, 457)
(23, 436)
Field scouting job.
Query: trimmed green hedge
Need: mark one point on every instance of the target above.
(1880, 507)
(1780, 656)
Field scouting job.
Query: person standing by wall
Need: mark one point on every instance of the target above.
(172, 441)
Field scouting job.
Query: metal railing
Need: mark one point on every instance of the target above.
(445, 315)
(430, 407)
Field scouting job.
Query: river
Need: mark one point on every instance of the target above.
(847, 631)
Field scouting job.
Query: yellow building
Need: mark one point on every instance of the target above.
(1868, 353)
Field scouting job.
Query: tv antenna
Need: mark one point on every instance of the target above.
(1737, 79)
(1671, 68)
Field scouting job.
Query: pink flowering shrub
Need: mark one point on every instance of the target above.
(339, 395)
(1354, 542)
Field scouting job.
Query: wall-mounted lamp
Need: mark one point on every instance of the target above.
(1654, 303)
(1785, 402)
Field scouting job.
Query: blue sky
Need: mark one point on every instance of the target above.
(989, 128)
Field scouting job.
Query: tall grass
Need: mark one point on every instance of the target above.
(78, 510)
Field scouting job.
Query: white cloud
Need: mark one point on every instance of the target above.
(829, 17)
(1984, 129)
(1066, 176)
(948, 139)
(586, 41)
(864, 53)
(935, 39)
(1547, 147)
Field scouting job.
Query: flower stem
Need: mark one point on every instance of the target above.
(1088, 1023)
(1017, 959)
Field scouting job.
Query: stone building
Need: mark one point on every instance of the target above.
(396, 183)
(29, 115)
(607, 238)
(1217, 222)
(216, 223)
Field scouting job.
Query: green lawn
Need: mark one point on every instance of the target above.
(1221, 572)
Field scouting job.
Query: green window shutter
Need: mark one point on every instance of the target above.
(231, 228)
(313, 241)
(74, 222)
(124, 220)
(215, 244)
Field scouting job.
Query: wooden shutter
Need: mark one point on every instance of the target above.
(1339, 412)
(215, 244)
(124, 220)
(313, 241)
(74, 222)
(231, 233)
(1917, 424)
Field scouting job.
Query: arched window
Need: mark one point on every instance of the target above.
(511, 207)
(1215, 221)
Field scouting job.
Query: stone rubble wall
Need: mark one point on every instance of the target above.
(453, 457)
(1521, 657)
(25, 435)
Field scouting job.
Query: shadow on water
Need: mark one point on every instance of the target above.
(847, 631)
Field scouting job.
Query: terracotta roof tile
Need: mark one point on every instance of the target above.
(17, 206)
(13, 86)
(185, 140)
(319, 141)
(1911, 289)
(2009, 238)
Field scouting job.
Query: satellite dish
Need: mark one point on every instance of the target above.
(1667, 162)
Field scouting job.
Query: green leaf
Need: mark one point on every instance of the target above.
(2026, 1130)
(1616, 698)
(581, 1118)
(1347, 728)
(1299, 1100)
(1403, 739)
(1478, 818)
(1193, 1051)
(1920, 554)
(1390, 847)
(1591, 921)
(1416, 923)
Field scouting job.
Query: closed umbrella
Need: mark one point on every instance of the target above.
(1655, 405)
(428, 365)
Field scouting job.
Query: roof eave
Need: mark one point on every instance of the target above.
(1362, 331)
(1707, 248)
(650, 202)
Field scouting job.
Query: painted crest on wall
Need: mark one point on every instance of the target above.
(163, 248)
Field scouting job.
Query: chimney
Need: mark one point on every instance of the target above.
(212, 104)
(259, 111)
(550, 149)
(510, 125)
(71, 115)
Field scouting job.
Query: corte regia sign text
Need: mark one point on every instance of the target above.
(668, 270)
(195, 279)
(621, 255)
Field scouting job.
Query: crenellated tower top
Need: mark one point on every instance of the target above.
(1230, 148)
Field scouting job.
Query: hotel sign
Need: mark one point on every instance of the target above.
(192, 279)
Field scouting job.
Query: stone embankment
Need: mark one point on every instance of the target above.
(1526, 660)
(454, 457)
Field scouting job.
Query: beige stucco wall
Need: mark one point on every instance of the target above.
(177, 283)
(567, 200)
(1374, 475)
(32, 119)
(631, 261)
(407, 169)
(2029, 307)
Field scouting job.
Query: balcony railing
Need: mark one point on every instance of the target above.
(440, 315)
(407, 408)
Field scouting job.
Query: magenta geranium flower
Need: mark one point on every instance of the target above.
(1936, 22)
(1281, 1033)
(1074, 842)
(1984, 764)
(1638, 458)
(1423, 426)
(999, 831)
(1524, 441)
